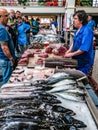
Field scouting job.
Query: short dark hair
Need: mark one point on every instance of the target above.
(90, 15)
(37, 19)
(82, 16)
(18, 11)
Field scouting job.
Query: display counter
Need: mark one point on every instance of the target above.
(33, 99)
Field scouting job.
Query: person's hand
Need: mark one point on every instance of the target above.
(12, 61)
(68, 55)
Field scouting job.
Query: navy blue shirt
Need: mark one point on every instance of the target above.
(5, 37)
(83, 40)
(54, 23)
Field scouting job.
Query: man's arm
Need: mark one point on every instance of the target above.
(6, 51)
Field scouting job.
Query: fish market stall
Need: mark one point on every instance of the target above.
(45, 92)
(52, 104)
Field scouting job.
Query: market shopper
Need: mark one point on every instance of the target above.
(18, 14)
(82, 47)
(35, 26)
(26, 20)
(54, 25)
(91, 23)
(12, 23)
(12, 17)
(22, 29)
(7, 53)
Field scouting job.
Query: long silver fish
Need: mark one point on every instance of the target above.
(56, 75)
(70, 96)
(68, 89)
(61, 88)
(64, 82)
(76, 91)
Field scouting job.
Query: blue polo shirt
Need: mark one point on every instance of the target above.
(83, 40)
(91, 24)
(5, 37)
(21, 37)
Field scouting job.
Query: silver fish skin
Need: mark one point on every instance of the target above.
(12, 125)
(8, 85)
(63, 87)
(71, 97)
(75, 91)
(64, 82)
(56, 75)
(68, 89)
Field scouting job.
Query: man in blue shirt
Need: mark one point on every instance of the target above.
(82, 47)
(91, 23)
(22, 40)
(7, 53)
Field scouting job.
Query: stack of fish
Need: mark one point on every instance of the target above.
(64, 85)
(40, 110)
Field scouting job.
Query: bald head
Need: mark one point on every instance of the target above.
(3, 16)
(2, 11)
